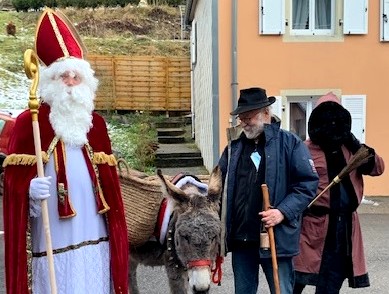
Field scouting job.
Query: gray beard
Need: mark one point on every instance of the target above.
(254, 132)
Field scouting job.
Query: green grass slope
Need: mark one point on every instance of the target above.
(152, 30)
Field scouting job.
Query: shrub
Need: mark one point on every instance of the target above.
(21, 5)
(167, 2)
(133, 138)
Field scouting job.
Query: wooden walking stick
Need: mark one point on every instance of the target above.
(31, 66)
(359, 158)
(266, 206)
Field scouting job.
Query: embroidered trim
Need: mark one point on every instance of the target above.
(64, 202)
(72, 247)
(23, 159)
(52, 145)
(58, 34)
(61, 192)
(91, 154)
(103, 158)
(27, 159)
(29, 256)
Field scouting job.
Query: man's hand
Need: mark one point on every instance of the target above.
(271, 217)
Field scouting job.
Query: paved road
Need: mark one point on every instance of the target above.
(376, 238)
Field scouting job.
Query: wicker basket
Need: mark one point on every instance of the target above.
(142, 198)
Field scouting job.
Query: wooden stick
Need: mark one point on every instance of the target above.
(322, 192)
(31, 68)
(266, 206)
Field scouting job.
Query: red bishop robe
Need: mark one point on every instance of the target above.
(18, 174)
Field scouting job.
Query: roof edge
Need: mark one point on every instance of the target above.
(190, 11)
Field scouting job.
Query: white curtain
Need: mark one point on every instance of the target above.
(323, 14)
(300, 14)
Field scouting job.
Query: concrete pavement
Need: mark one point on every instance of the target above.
(375, 205)
(374, 217)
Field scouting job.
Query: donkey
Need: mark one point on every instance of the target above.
(192, 241)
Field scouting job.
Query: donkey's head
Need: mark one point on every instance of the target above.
(196, 228)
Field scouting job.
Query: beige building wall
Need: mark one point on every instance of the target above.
(352, 64)
(225, 69)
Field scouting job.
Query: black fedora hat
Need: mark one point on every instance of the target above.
(252, 98)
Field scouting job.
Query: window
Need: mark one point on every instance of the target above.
(299, 109)
(313, 17)
(298, 119)
(327, 19)
(294, 109)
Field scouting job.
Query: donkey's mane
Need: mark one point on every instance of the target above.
(197, 197)
(198, 201)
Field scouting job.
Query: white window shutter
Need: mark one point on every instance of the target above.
(272, 17)
(355, 16)
(384, 20)
(276, 107)
(356, 105)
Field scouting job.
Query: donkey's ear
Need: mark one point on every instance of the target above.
(169, 189)
(215, 184)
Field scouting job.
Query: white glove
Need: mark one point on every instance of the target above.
(40, 188)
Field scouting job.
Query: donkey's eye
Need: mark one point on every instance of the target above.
(185, 237)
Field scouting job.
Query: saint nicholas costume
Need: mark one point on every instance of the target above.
(87, 221)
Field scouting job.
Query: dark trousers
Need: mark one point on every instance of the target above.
(245, 265)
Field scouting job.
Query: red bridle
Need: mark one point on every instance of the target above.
(199, 262)
(216, 272)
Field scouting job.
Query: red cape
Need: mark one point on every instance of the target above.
(16, 202)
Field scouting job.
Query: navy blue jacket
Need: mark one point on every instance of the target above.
(291, 178)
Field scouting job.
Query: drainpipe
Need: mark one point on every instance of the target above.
(188, 18)
(234, 56)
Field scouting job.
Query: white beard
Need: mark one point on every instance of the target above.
(253, 131)
(71, 111)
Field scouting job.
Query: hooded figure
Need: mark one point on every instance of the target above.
(329, 125)
(331, 248)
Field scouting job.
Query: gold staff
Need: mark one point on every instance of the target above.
(31, 65)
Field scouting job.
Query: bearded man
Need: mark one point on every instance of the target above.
(87, 222)
(264, 154)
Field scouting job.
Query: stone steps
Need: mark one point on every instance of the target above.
(177, 152)
(171, 139)
(179, 162)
